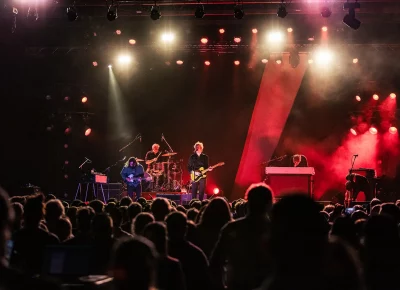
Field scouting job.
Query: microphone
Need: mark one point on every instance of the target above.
(162, 137)
(355, 155)
(88, 160)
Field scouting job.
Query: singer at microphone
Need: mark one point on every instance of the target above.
(299, 160)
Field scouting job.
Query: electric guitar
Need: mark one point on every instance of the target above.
(196, 175)
(131, 180)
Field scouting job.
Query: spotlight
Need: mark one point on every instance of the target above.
(155, 14)
(216, 190)
(353, 131)
(355, 60)
(264, 60)
(118, 32)
(392, 130)
(326, 12)
(254, 30)
(179, 62)
(324, 28)
(275, 37)
(124, 59)
(237, 39)
(67, 130)
(109, 66)
(282, 13)
(84, 99)
(66, 98)
(168, 37)
(278, 61)
(207, 63)
(238, 12)
(132, 41)
(373, 130)
(204, 40)
(324, 57)
(392, 96)
(358, 98)
(236, 62)
(350, 18)
(95, 63)
(72, 14)
(375, 97)
(199, 13)
(112, 13)
(88, 130)
(221, 31)
(310, 61)
(294, 59)
(66, 162)
(65, 146)
(290, 30)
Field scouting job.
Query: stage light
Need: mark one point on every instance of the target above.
(132, 41)
(207, 63)
(392, 130)
(237, 39)
(95, 63)
(204, 40)
(353, 131)
(310, 61)
(124, 59)
(236, 62)
(324, 28)
(355, 60)
(118, 32)
(112, 13)
(179, 62)
(294, 59)
(66, 98)
(392, 96)
(264, 60)
(72, 14)
(326, 12)
(84, 99)
(67, 130)
(324, 57)
(254, 30)
(282, 13)
(290, 30)
(275, 37)
(215, 190)
(238, 12)
(168, 37)
(155, 14)
(221, 31)
(88, 131)
(199, 12)
(109, 66)
(66, 176)
(65, 146)
(50, 128)
(358, 98)
(278, 61)
(66, 162)
(375, 97)
(350, 18)
(373, 130)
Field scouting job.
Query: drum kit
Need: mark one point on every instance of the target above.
(163, 176)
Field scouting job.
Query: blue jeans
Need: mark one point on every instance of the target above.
(135, 189)
(201, 186)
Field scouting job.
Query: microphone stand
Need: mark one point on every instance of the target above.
(166, 142)
(86, 161)
(275, 159)
(127, 145)
(353, 160)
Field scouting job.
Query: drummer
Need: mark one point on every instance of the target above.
(153, 156)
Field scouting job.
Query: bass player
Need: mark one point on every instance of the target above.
(132, 174)
(196, 161)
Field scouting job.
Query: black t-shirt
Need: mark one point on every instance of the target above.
(196, 162)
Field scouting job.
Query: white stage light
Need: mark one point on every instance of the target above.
(275, 37)
(167, 37)
(324, 57)
(124, 59)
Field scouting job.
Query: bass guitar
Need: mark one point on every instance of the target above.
(131, 180)
(201, 173)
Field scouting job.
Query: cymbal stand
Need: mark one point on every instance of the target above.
(166, 142)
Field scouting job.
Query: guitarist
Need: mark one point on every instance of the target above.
(131, 174)
(197, 160)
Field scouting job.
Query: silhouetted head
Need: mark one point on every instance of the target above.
(63, 229)
(196, 204)
(344, 228)
(375, 210)
(192, 214)
(134, 209)
(102, 226)
(142, 201)
(125, 201)
(134, 265)
(109, 207)
(140, 222)
(176, 226)
(116, 216)
(381, 231)
(156, 232)
(71, 214)
(391, 210)
(259, 199)
(329, 208)
(373, 202)
(97, 205)
(54, 210)
(84, 218)
(160, 208)
(50, 197)
(358, 214)
(33, 210)
(181, 209)
(216, 214)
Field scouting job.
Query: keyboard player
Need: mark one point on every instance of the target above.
(299, 161)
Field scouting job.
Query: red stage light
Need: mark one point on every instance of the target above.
(95, 63)
(392, 130)
(216, 190)
(237, 39)
(84, 99)
(118, 32)
(375, 97)
(88, 131)
(290, 29)
(254, 30)
(207, 63)
(373, 130)
(66, 98)
(392, 96)
(221, 30)
(278, 61)
(353, 131)
(179, 62)
(65, 146)
(264, 60)
(236, 62)
(132, 41)
(67, 130)
(324, 28)
(66, 162)
(204, 40)
(358, 98)
(66, 176)
(355, 60)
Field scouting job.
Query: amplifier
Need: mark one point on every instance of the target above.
(179, 198)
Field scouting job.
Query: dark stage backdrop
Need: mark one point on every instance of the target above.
(186, 103)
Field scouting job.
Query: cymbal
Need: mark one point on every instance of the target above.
(169, 154)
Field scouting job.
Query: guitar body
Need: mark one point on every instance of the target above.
(197, 175)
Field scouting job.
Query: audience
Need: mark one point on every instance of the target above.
(54, 211)
(133, 210)
(140, 223)
(160, 209)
